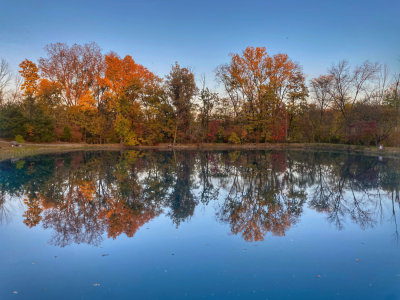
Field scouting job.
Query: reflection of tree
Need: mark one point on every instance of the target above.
(208, 190)
(4, 211)
(262, 199)
(32, 215)
(83, 195)
(121, 218)
(181, 200)
(346, 189)
(75, 218)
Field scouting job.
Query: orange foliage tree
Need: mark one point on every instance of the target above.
(125, 86)
(267, 85)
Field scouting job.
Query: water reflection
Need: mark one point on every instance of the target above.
(82, 196)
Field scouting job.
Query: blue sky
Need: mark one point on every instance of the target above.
(201, 34)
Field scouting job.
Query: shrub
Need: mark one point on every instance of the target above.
(234, 139)
(66, 135)
(19, 139)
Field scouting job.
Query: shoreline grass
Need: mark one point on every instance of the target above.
(8, 152)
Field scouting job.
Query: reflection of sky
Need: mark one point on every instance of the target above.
(202, 33)
(202, 259)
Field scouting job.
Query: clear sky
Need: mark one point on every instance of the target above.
(201, 34)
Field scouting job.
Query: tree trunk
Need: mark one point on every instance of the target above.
(176, 129)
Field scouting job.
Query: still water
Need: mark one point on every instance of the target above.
(200, 225)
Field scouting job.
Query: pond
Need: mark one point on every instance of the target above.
(200, 225)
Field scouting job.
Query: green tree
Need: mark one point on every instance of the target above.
(181, 88)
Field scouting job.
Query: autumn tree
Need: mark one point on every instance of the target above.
(266, 84)
(125, 86)
(29, 72)
(76, 68)
(39, 125)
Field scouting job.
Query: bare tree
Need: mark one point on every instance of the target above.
(321, 88)
(230, 85)
(5, 78)
(15, 94)
(379, 93)
(396, 99)
(208, 100)
(351, 86)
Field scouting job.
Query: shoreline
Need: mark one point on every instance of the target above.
(29, 149)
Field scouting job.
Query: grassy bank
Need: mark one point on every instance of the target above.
(27, 149)
(278, 146)
(8, 152)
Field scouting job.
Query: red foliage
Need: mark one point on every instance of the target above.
(363, 132)
(76, 134)
(278, 131)
(212, 131)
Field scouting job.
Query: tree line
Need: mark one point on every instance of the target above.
(78, 94)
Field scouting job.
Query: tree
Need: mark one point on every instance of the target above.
(29, 72)
(266, 84)
(321, 88)
(350, 86)
(76, 68)
(231, 87)
(208, 100)
(5, 78)
(125, 85)
(181, 88)
(39, 126)
(12, 121)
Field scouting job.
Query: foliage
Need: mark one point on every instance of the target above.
(234, 139)
(12, 121)
(181, 88)
(66, 134)
(19, 139)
